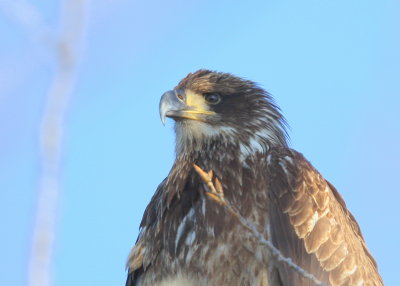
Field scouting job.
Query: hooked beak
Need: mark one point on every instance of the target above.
(170, 104)
(174, 106)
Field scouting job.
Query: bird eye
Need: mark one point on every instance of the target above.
(212, 98)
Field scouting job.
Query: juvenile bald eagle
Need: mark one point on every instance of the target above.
(230, 128)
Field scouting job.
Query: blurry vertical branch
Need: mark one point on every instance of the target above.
(66, 44)
(67, 48)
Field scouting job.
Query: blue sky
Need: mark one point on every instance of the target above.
(333, 68)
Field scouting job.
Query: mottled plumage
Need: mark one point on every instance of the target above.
(231, 126)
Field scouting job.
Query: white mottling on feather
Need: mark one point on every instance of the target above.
(207, 130)
(313, 221)
(179, 233)
(360, 283)
(324, 213)
(190, 238)
(258, 253)
(268, 229)
(269, 157)
(210, 230)
(176, 281)
(265, 133)
(352, 270)
(221, 249)
(244, 151)
(289, 159)
(283, 166)
(203, 206)
(194, 134)
(253, 146)
(181, 226)
(189, 255)
(245, 165)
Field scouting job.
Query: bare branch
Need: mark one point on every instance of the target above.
(66, 46)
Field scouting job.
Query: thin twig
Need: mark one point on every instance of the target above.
(216, 194)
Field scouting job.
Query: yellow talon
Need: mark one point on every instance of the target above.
(215, 191)
(218, 187)
(214, 197)
(203, 175)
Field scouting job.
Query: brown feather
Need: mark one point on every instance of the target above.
(335, 241)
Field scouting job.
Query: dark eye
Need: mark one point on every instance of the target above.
(212, 98)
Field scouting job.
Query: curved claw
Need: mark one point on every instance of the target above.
(206, 177)
(218, 187)
(215, 190)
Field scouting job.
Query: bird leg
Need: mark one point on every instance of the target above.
(214, 188)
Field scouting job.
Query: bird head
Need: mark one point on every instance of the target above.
(219, 109)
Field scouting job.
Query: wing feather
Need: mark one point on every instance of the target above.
(141, 257)
(311, 224)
